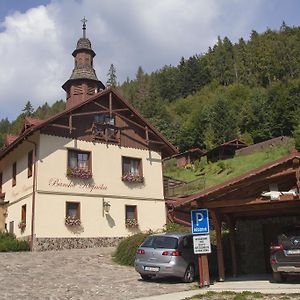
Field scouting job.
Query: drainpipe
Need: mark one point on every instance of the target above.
(173, 218)
(33, 192)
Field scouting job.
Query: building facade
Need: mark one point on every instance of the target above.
(88, 176)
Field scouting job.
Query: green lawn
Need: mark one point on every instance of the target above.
(246, 295)
(221, 171)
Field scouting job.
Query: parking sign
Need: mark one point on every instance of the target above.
(199, 220)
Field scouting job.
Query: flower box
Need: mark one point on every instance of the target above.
(79, 173)
(133, 178)
(72, 221)
(131, 223)
(22, 225)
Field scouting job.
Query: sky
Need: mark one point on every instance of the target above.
(38, 37)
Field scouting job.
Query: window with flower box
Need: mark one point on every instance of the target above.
(22, 224)
(131, 220)
(72, 214)
(79, 164)
(132, 170)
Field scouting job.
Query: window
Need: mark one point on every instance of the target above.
(22, 224)
(132, 169)
(1, 181)
(30, 161)
(14, 174)
(79, 164)
(104, 119)
(23, 214)
(72, 214)
(11, 227)
(73, 210)
(131, 216)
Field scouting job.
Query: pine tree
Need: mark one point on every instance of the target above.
(28, 109)
(112, 76)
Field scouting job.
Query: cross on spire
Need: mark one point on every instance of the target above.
(84, 20)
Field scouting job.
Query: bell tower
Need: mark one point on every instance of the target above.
(83, 82)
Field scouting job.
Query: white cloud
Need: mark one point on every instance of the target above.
(36, 46)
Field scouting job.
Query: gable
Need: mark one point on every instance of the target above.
(105, 118)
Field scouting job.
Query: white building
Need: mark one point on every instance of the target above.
(87, 176)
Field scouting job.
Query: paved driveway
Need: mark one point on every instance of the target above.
(75, 274)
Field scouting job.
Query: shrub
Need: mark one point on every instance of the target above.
(127, 248)
(9, 243)
(174, 227)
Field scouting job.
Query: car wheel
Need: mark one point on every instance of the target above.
(189, 275)
(278, 277)
(145, 277)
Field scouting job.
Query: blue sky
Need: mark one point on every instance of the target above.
(38, 37)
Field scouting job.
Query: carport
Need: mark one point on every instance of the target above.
(268, 195)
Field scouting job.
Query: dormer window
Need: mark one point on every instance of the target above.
(104, 119)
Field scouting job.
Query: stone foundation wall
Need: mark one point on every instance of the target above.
(45, 244)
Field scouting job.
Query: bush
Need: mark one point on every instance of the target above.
(9, 243)
(126, 249)
(174, 227)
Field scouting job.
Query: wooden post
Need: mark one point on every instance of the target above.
(217, 226)
(205, 270)
(110, 104)
(231, 225)
(200, 271)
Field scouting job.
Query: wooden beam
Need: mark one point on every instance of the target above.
(155, 142)
(90, 113)
(217, 225)
(273, 205)
(61, 126)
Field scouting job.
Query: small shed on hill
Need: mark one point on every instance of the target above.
(225, 151)
(187, 157)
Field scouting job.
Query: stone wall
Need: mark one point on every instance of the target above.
(45, 244)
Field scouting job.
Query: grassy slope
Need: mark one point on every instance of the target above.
(222, 171)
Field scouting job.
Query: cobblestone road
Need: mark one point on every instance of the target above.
(75, 274)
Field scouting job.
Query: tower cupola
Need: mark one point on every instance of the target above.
(83, 82)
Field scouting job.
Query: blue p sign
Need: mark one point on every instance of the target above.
(199, 220)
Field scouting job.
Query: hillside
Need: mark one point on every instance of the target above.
(209, 174)
(248, 90)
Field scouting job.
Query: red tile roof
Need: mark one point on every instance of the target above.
(9, 139)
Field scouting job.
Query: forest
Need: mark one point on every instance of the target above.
(248, 90)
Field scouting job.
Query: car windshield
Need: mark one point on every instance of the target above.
(160, 242)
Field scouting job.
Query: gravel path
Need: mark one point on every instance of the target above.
(75, 274)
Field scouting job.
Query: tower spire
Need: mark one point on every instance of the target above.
(84, 20)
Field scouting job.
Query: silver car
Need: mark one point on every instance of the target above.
(166, 255)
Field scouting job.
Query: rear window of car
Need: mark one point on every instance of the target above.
(160, 242)
(291, 231)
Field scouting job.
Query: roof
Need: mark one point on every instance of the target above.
(179, 202)
(30, 130)
(9, 139)
(194, 151)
